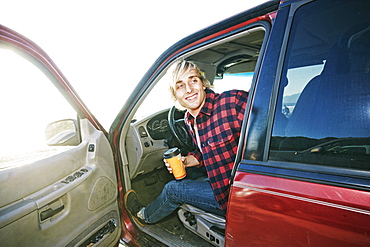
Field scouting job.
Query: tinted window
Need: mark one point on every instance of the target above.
(323, 112)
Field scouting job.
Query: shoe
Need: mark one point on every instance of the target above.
(133, 206)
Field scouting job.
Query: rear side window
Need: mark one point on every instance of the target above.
(323, 111)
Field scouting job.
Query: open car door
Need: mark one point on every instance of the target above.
(57, 174)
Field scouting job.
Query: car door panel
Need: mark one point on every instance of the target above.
(68, 196)
(64, 194)
(283, 211)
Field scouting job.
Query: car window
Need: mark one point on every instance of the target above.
(323, 110)
(240, 81)
(227, 64)
(159, 97)
(29, 102)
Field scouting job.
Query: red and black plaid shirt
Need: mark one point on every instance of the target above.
(219, 124)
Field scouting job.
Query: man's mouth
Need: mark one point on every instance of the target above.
(191, 97)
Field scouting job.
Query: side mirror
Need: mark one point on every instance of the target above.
(63, 133)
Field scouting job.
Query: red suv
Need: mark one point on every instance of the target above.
(302, 172)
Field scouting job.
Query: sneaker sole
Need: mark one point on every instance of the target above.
(132, 216)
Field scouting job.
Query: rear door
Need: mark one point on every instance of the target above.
(57, 176)
(303, 179)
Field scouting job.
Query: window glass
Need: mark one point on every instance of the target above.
(29, 102)
(241, 81)
(159, 97)
(227, 65)
(323, 110)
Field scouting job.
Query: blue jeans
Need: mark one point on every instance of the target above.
(196, 193)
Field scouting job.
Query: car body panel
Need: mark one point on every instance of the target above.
(280, 211)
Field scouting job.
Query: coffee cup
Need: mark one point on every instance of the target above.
(173, 158)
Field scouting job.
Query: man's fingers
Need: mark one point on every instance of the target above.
(168, 166)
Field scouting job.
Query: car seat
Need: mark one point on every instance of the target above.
(209, 226)
(337, 102)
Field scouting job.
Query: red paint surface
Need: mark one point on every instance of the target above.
(271, 211)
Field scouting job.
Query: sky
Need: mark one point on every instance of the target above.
(105, 47)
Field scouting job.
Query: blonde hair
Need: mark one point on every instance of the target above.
(182, 67)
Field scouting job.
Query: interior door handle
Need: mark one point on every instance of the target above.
(50, 212)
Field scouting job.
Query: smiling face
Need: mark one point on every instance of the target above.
(189, 91)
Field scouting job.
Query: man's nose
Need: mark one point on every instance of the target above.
(188, 87)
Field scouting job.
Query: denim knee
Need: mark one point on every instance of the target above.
(172, 186)
(172, 190)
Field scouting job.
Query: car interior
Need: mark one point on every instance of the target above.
(147, 138)
(227, 64)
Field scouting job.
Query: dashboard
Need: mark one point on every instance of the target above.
(158, 126)
(145, 142)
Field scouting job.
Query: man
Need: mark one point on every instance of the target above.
(214, 122)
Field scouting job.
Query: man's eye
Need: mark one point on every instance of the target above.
(179, 86)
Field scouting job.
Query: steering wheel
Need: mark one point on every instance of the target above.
(179, 130)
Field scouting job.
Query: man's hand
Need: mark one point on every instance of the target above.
(188, 161)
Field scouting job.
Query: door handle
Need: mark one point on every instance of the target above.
(50, 212)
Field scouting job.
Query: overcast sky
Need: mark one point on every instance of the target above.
(105, 47)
